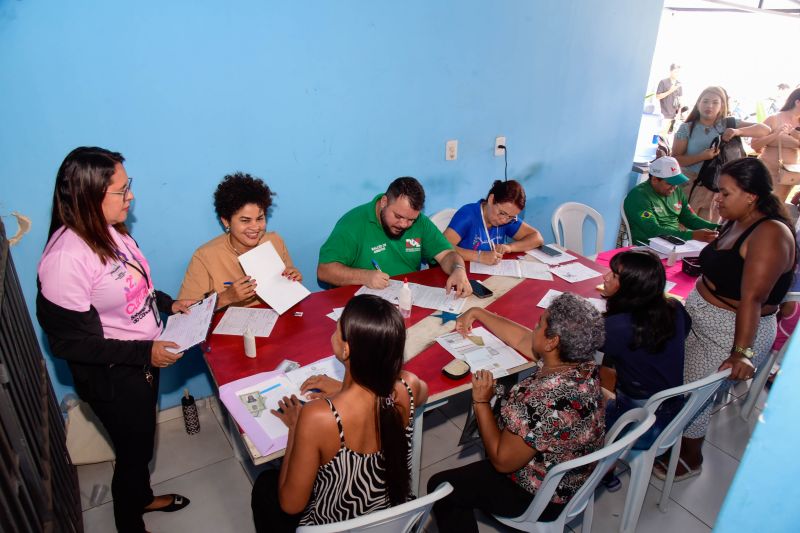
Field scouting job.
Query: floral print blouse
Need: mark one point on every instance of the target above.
(559, 415)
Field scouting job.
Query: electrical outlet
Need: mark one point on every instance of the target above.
(498, 142)
(451, 150)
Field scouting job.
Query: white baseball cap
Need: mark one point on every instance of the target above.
(667, 169)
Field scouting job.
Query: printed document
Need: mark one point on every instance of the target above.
(263, 264)
(237, 320)
(329, 366)
(574, 272)
(513, 268)
(482, 351)
(421, 296)
(261, 398)
(186, 330)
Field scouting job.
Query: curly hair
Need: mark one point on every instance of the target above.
(579, 326)
(239, 189)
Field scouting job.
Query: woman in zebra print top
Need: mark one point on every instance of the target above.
(348, 453)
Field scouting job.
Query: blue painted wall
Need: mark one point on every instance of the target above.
(327, 101)
(763, 494)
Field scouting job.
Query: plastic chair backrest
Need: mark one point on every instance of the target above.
(443, 218)
(570, 217)
(698, 393)
(404, 518)
(626, 224)
(639, 418)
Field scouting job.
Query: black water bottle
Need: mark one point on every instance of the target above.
(190, 418)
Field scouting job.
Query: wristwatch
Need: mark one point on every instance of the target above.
(747, 352)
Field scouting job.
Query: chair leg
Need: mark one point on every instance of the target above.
(757, 385)
(588, 516)
(416, 453)
(674, 455)
(641, 466)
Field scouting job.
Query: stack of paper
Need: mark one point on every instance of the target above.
(237, 320)
(692, 248)
(421, 296)
(482, 351)
(513, 268)
(264, 265)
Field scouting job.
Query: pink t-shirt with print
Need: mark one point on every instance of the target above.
(73, 277)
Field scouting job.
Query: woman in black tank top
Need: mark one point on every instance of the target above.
(747, 271)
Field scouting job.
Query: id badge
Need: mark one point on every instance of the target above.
(151, 302)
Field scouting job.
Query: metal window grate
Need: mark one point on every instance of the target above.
(38, 484)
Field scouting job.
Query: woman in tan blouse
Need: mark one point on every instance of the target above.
(783, 125)
(241, 202)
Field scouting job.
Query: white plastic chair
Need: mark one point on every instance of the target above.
(583, 500)
(443, 218)
(570, 217)
(626, 224)
(641, 461)
(408, 517)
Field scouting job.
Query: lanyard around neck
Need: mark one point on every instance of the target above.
(138, 267)
(486, 229)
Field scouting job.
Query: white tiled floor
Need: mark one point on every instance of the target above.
(203, 468)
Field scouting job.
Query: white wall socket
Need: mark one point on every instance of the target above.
(451, 150)
(499, 141)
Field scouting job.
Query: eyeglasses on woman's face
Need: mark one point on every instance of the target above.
(124, 192)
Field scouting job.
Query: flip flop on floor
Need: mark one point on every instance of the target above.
(178, 503)
(660, 471)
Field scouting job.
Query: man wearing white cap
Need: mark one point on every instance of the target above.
(658, 207)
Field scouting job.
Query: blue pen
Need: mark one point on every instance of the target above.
(377, 267)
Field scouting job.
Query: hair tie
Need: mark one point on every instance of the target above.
(388, 401)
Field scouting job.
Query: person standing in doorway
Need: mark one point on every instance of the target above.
(669, 94)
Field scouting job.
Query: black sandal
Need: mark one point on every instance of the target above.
(178, 503)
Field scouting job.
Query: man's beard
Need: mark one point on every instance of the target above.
(386, 230)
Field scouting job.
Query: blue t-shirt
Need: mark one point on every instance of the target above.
(640, 374)
(700, 139)
(467, 222)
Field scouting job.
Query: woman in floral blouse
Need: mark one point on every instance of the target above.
(550, 417)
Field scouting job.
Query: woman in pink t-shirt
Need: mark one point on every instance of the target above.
(98, 307)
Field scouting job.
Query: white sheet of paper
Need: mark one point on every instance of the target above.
(421, 296)
(548, 298)
(574, 272)
(237, 320)
(186, 330)
(272, 391)
(549, 259)
(494, 355)
(335, 314)
(329, 366)
(669, 286)
(263, 264)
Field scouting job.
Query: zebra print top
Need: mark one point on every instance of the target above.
(352, 484)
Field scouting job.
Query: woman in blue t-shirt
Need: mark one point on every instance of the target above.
(645, 334)
(481, 231)
(691, 147)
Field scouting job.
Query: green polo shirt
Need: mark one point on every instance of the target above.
(358, 238)
(651, 214)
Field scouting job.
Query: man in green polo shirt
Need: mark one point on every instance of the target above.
(658, 207)
(385, 237)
